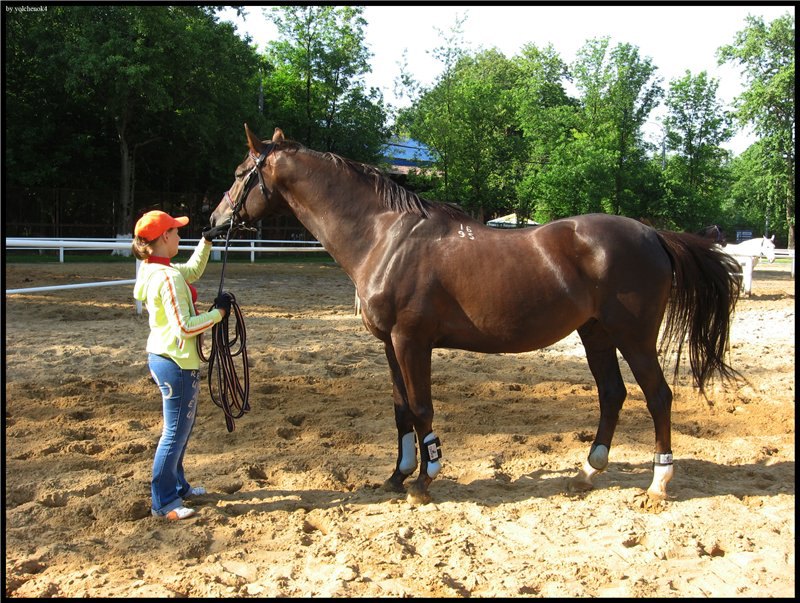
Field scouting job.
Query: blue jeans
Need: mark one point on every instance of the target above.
(179, 389)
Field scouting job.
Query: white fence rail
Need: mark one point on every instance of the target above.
(251, 246)
(785, 253)
(237, 245)
(748, 265)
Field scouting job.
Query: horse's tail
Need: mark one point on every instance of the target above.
(702, 301)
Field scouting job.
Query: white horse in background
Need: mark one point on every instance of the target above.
(748, 253)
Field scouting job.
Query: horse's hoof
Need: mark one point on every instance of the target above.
(392, 486)
(418, 497)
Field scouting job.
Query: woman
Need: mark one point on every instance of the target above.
(173, 357)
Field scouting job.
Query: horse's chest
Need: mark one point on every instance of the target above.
(377, 317)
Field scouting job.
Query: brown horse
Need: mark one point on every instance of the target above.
(429, 276)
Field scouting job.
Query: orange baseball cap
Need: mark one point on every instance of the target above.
(155, 223)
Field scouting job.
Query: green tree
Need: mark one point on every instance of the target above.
(468, 119)
(547, 118)
(695, 176)
(485, 167)
(619, 90)
(159, 87)
(432, 119)
(766, 54)
(750, 202)
(48, 134)
(316, 88)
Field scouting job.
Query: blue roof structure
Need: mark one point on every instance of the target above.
(406, 151)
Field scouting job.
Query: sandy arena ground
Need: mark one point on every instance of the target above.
(295, 507)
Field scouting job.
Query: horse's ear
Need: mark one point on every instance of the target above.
(255, 144)
(772, 238)
(278, 135)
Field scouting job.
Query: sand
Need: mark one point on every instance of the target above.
(295, 506)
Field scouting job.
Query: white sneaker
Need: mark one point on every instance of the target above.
(197, 491)
(180, 513)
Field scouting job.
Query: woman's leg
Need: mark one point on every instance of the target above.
(179, 399)
(194, 383)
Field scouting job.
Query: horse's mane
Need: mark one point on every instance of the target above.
(394, 196)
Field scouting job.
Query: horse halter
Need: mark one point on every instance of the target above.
(237, 206)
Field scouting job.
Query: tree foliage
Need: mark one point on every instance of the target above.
(316, 86)
(585, 152)
(134, 95)
(141, 97)
(619, 92)
(153, 97)
(766, 54)
(547, 117)
(468, 119)
(695, 177)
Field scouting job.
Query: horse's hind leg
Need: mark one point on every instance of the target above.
(647, 372)
(602, 357)
(406, 441)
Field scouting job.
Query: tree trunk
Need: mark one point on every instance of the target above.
(124, 225)
(790, 201)
(127, 180)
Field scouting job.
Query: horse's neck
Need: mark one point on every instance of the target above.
(340, 211)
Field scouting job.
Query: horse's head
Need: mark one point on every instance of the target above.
(252, 194)
(713, 232)
(768, 248)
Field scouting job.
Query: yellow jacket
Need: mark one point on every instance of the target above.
(174, 325)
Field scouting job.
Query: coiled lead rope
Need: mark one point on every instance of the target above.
(227, 389)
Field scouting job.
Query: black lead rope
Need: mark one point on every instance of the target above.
(227, 390)
(231, 393)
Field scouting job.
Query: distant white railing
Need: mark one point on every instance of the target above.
(100, 244)
(748, 263)
(111, 244)
(786, 253)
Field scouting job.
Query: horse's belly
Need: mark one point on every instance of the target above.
(511, 332)
(495, 345)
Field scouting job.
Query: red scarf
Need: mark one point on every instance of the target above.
(155, 259)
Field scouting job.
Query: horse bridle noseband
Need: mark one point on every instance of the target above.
(236, 219)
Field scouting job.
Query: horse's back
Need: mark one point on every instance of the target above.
(578, 257)
(613, 248)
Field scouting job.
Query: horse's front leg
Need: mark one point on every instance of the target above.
(406, 440)
(414, 361)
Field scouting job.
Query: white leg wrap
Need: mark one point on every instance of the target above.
(588, 472)
(408, 461)
(435, 464)
(661, 476)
